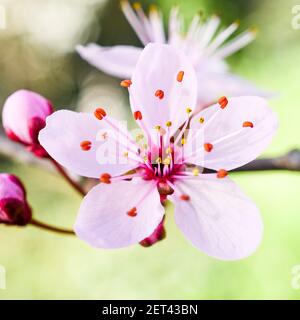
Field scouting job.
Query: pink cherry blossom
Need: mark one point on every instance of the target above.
(14, 208)
(206, 47)
(210, 209)
(24, 115)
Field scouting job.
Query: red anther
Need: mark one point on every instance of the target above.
(222, 173)
(86, 145)
(126, 83)
(208, 147)
(185, 197)
(223, 102)
(159, 94)
(180, 75)
(137, 115)
(248, 124)
(132, 212)
(100, 113)
(105, 178)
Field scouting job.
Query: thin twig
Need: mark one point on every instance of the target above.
(62, 171)
(48, 227)
(290, 161)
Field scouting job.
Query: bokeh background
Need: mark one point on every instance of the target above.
(37, 53)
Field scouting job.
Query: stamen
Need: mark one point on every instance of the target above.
(126, 83)
(100, 113)
(152, 8)
(139, 137)
(137, 115)
(162, 131)
(183, 141)
(105, 178)
(188, 110)
(201, 120)
(168, 124)
(185, 197)
(222, 173)
(132, 212)
(208, 147)
(86, 145)
(159, 94)
(168, 150)
(158, 160)
(223, 102)
(195, 172)
(167, 161)
(137, 5)
(248, 124)
(135, 21)
(180, 76)
(145, 129)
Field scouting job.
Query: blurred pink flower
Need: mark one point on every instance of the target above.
(205, 47)
(14, 208)
(126, 207)
(23, 117)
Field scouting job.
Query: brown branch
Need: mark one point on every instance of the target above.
(48, 227)
(290, 161)
(62, 171)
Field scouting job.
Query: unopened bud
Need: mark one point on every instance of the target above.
(24, 115)
(158, 234)
(14, 209)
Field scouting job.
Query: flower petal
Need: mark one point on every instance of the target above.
(103, 219)
(68, 133)
(157, 71)
(218, 218)
(233, 143)
(118, 61)
(212, 85)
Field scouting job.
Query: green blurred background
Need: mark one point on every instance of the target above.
(37, 52)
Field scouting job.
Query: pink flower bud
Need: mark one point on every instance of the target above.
(158, 234)
(24, 115)
(14, 209)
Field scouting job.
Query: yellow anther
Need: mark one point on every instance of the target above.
(158, 160)
(139, 137)
(152, 8)
(167, 161)
(183, 141)
(137, 5)
(145, 146)
(201, 120)
(168, 124)
(168, 150)
(124, 3)
(125, 154)
(195, 172)
(237, 22)
(157, 128)
(188, 110)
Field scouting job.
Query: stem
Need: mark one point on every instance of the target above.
(51, 228)
(62, 171)
(290, 161)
